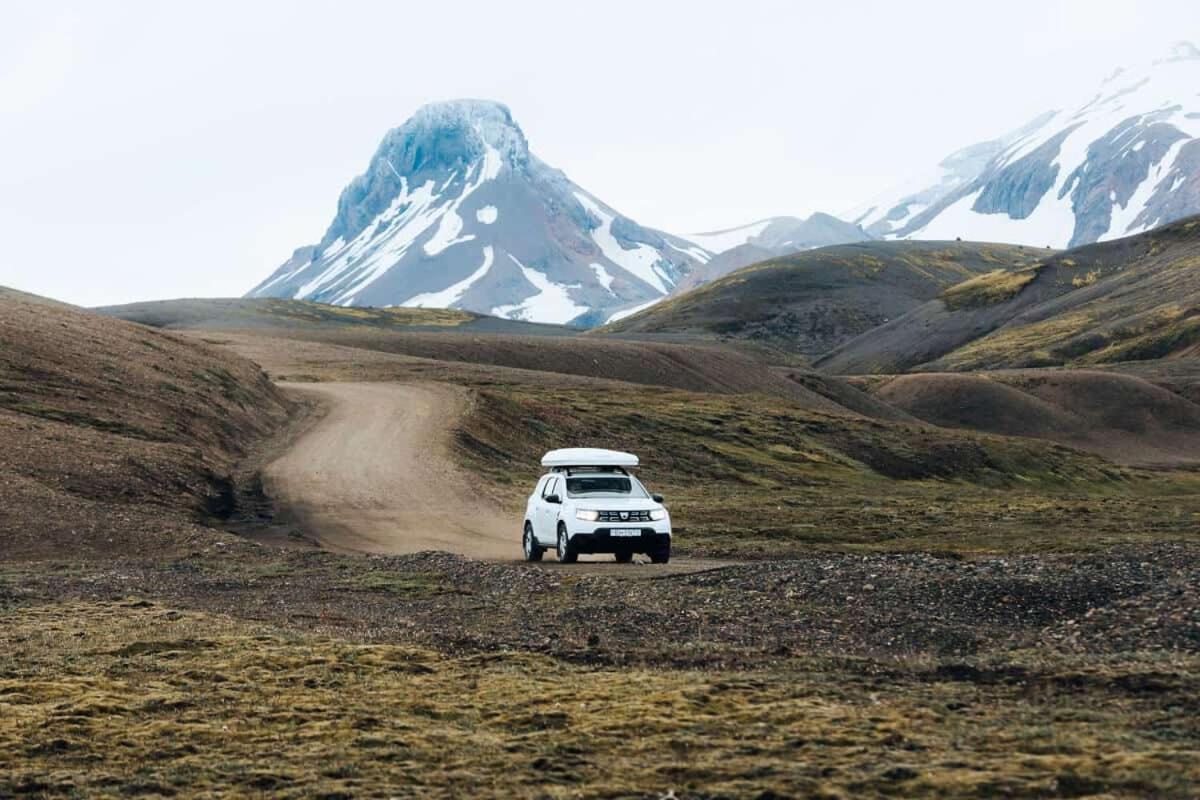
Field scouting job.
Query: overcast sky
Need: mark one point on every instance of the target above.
(153, 150)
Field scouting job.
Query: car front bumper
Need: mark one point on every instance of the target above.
(599, 539)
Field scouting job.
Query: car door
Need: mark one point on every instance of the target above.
(546, 526)
(534, 504)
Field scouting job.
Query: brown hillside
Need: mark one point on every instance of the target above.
(1122, 417)
(274, 313)
(1133, 299)
(811, 302)
(116, 436)
(461, 337)
(695, 368)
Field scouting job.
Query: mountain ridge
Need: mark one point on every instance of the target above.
(807, 303)
(454, 211)
(1118, 161)
(1133, 299)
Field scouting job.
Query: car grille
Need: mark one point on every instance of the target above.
(624, 516)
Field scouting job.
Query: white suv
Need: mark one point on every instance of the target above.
(590, 503)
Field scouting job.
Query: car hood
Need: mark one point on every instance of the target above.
(615, 503)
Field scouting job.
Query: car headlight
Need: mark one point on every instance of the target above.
(658, 513)
(587, 516)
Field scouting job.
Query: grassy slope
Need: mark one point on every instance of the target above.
(269, 313)
(1123, 417)
(930, 488)
(690, 367)
(131, 697)
(811, 302)
(458, 336)
(139, 699)
(1133, 299)
(103, 421)
(7, 294)
(755, 477)
(685, 366)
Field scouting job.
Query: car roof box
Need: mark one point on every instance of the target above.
(588, 457)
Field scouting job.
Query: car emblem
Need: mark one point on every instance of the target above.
(624, 515)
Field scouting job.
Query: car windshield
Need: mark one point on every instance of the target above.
(604, 486)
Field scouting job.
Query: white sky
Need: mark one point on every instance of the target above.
(153, 150)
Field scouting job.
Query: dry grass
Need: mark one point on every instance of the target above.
(317, 312)
(809, 303)
(988, 289)
(101, 420)
(134, 698)
(754, 477)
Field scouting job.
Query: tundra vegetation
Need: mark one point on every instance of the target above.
(890, 607)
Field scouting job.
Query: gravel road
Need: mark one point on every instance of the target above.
(375, 475)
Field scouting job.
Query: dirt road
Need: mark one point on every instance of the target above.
(375, 475)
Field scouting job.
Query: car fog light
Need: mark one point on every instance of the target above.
(587, 516)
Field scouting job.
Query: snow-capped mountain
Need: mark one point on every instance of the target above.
(735, 248)
(455, 212)
(782, 234)
(1124, 159)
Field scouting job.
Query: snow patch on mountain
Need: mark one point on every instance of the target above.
(1125, 214)
(603, 276)
(1045, 225)
(629, 312)
(640, 260)
(552, 303)
(447, 297)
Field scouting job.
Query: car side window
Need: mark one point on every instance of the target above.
(549, 490)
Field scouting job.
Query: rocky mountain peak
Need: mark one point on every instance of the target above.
(1122, 158)
(453, 211)
(455, 133)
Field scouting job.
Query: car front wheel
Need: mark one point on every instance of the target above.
(533, 551)
(662, 555)
(567, 553)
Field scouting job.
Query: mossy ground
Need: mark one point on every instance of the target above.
(754, 477)
(133, 698)
(988, 289)
(302, 311)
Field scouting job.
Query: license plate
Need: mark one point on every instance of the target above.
(625, 532)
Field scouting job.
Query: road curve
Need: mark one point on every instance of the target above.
(375, 475)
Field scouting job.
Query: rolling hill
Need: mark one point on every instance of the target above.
(1133, 299)
(1125, 418)
(811, 302)
(448, 335)
(281, 314)
(117, 437)
(735, 248)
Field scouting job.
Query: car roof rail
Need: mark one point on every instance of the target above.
(582, 469)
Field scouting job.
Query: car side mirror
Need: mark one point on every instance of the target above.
(658, 498)
(553, 498)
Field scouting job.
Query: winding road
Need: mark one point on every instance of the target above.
(375, 475)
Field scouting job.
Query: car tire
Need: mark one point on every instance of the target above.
(533, 550)
(624, 557)
(567, 554)
(662, 555)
